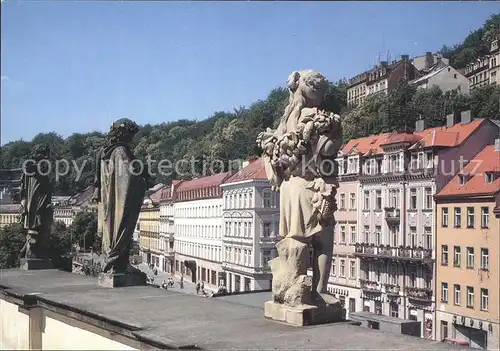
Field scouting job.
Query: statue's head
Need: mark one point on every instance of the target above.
(123, 130)
(309, 85)
(40, 152)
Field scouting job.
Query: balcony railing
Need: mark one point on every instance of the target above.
(392, 214)
(421, 294)
(405, 253)
(370, 285)
(392, 289)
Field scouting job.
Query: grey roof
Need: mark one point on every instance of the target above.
(184, 320)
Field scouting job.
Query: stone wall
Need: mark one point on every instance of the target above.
(38, 328)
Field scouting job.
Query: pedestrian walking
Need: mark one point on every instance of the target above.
(197, 288)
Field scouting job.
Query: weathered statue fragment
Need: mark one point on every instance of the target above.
(36, 208)
(300, 162)
(120, 186)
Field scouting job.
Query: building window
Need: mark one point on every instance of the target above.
(456, 294)
(394, 198)
(394, 310)
(489, 177)
(367, 200)
(266, 196)
(394, 230)
(266, 257)
(413, 236)
(378, 200)
(458, 217)
(485, 259)
(367, 234)
(444, 217)
(266, 230)
(352, 201)
(342, 201)
(470, 297)
(485, 217)
(470, 257)
(413, 199)
(428, 238)
(412, 280)
(334, 268)
(470, 217)
(378, 235)
(457, 256)
(353, 234)
(428, 198)
(342, 268)
(342, 234)
(444, 255)
(353, 269)
(484, 300)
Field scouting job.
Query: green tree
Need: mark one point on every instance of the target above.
(12, 240)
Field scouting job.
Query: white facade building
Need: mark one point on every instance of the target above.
(198, 230)
(167, 229)
(251, 228)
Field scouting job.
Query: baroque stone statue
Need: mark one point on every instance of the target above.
(299, 157)
(120, 187)
(36, 208)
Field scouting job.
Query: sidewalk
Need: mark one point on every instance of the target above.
(189, 287)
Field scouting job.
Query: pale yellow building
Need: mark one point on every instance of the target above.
(149, 230)
(467, 268)
(9, 214)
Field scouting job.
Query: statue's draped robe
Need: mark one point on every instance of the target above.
(296, 191)
(36, 192)
(121, 193)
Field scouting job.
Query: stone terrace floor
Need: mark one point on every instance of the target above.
(182, 319)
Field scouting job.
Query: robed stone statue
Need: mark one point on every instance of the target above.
(36, 208)
(120, 182)
(300, 162)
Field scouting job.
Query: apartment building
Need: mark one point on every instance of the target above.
(380, 79)
(198, 229)
(468, 267)
(149, 230)
(485, 70)
(9, 214)
(66, 208)
(399, 173)
(443, 76)
(251, 228)
(167, 231)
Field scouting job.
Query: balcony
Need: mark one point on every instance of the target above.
(419, 294)
(370, 285)
(392, 215)
(392, 289)
(402, 254)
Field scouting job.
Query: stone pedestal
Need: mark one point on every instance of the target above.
(303, 315)
(35, 263)
(116, 280)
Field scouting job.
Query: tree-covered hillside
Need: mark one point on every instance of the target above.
(231, 135)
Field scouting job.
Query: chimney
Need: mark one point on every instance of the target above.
(405, 57)
(450, 120)
(497, 144)
(420, 124)
(429, 59)
(465, 116)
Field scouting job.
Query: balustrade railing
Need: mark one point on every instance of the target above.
(390, 251)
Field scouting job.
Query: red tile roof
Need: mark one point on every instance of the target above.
(430, 137)
(203, 182)
(487, 161)
(166, 193)
(254, 170)
(366, 144)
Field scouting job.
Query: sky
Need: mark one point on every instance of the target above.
(75, 66)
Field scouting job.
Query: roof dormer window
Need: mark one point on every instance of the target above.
(489, 177)
(462, 179)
